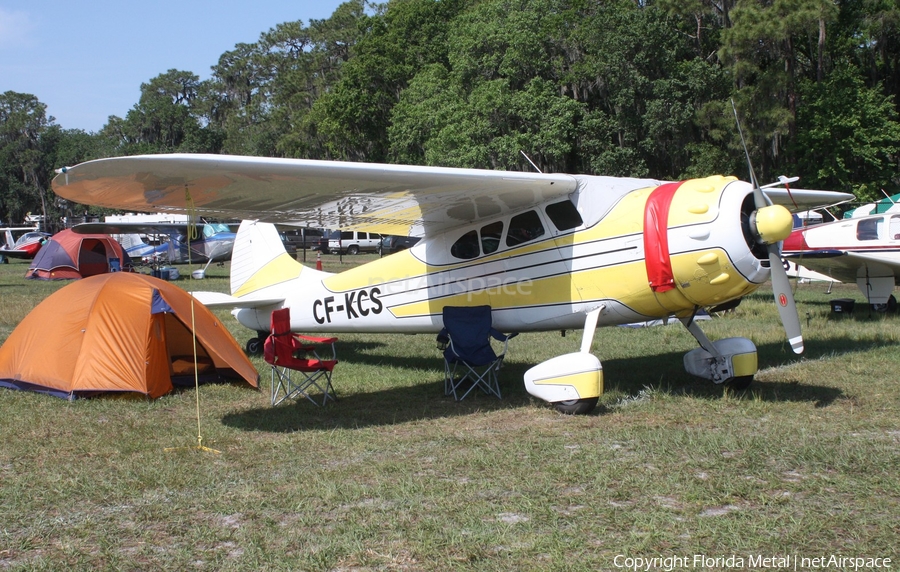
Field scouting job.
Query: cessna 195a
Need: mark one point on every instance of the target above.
(545, 251)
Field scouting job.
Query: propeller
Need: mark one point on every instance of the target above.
(772, 224)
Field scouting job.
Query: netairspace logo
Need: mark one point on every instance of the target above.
(753, 561)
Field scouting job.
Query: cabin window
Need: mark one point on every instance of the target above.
(523, 228)
(868, 229)
(346, 235)
(466, 246)
(212, 229)
(564, 215)
(894, 232)
(490, 237)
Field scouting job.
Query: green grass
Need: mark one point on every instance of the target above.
(395, 476)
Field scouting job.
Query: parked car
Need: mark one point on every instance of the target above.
(301, 238)
(391, 243)
(288, 246)
(350, 242)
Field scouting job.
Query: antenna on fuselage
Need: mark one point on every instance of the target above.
(527, 158)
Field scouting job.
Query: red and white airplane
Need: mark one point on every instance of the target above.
(26, 246)
(865, 250)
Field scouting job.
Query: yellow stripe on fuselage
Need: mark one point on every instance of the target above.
(695, 203)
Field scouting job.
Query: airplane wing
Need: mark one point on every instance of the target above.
(130, 228)
(16, 253)
(799, 200)
(843, 265)
(390, 199)
(796, 270)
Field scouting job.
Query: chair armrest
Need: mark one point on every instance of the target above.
(316, 340)
(501, 337)
(443, 339)
(298, 344)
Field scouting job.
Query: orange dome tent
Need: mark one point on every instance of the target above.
(118, 332)
(69, 255)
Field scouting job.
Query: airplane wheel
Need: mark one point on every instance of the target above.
(890, 307)
(254, 346)
(740, 383)
(576, 406)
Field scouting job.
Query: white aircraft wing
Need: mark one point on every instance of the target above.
(798, 200)
(167, 228)
(843, 265)
(391, 199)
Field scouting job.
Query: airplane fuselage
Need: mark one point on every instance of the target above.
(544, 268)
(865, 250)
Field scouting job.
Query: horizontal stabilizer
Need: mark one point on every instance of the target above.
(221, 300)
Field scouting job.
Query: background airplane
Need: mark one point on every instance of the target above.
(545, 251)
(211, 241)
(26, 246)
(889, 204)
(865, 250)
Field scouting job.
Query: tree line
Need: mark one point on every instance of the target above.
(613, 87)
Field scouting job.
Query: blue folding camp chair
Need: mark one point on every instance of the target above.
(469, 359)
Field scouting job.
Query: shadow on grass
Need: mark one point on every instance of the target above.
(378, 408)
(620, 374)
(426, 401)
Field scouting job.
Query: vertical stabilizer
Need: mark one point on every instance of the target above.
(260, 262)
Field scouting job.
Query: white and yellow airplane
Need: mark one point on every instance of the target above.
(545, 251)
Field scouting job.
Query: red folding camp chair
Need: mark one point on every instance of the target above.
(294, 376)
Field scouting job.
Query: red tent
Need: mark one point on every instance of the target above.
(69, 255)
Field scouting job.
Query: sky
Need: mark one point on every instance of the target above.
(86, 59)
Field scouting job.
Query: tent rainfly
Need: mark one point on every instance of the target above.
(119, 332)
(69, 255)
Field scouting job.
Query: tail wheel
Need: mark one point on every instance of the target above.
(890, 307)
(254, 346)
(576, 406)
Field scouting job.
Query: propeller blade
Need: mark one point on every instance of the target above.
(758, 197)
(781, 286)
(784, 300)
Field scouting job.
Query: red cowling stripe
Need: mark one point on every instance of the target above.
(656, 237)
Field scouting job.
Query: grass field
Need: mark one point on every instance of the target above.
(395, 476)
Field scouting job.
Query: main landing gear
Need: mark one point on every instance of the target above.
(731, 361)
(571, 382)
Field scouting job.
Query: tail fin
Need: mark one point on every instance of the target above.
(259, 260)
(10, 243)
